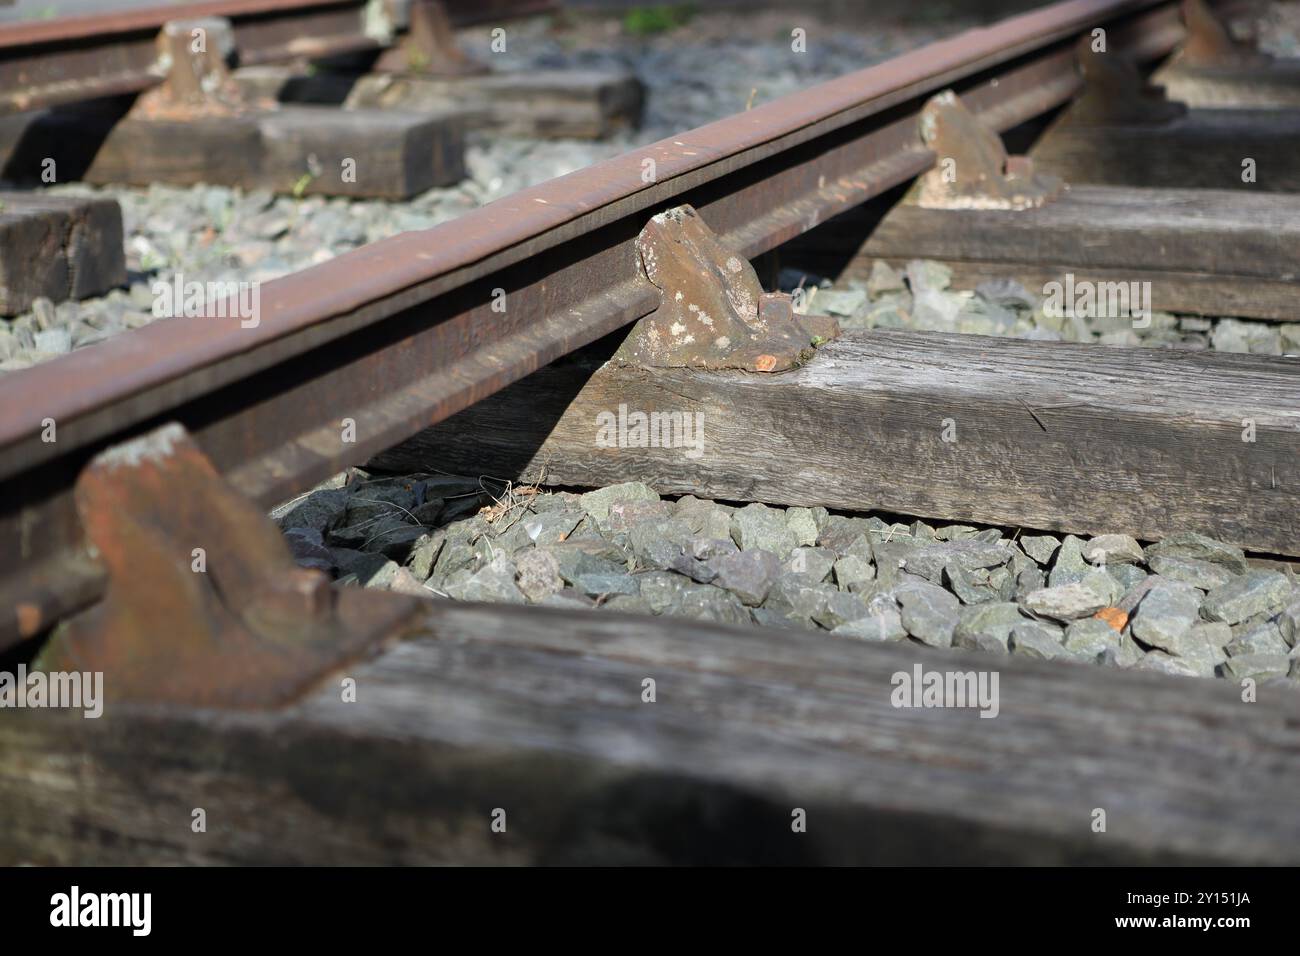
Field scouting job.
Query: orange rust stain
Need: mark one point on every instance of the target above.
(765, 363)
(29, 619)
(1112, 616)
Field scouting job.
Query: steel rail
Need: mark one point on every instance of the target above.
(400, 334)
(109, 54)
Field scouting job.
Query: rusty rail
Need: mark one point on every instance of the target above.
(69, 59)
(400, 334)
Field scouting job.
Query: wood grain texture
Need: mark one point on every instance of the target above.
(1052, 436)
(539, 712)
(1275, 300)
(1271, 85)
(58, 247)
(1203, 150)
(1209, 252)
(580, 104)
(396, 154)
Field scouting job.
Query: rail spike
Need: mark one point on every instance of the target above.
(1210, 43)
(204, 604)
(193, 58)
(973, 169)
(1115, 91)
(429, 46)
(713, 312)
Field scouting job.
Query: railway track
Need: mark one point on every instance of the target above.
(137, 475)
(71, 59)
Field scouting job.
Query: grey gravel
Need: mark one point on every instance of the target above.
(1037, 639)
(926, 301)
(978, 586)
(748, 574)
(884, 625)
(308, 549)
(1264, 637)
(1069, 565)
(317, 511)
(795, 598)
(1091, 638)
(1165, 664)
(1258, 666)
(597, 503)
(1126, 576)
(929, 560)
(1067, 601)
(1133, 596)
(1166, 615)
(550, 527)
(493, 582)
(987, 627)
(1211, 634)
(538, 575)
(802, 525)
(1289, 623)
(574, 560)
(757, 526)
(1113, 549)
(1259, 592)
(706, 519)
(659, 544)
(367, 569)
(853, 573)
(1202, 647)
(865, 577)
(404, 582)
(930, 613)
(603, 583)
(707, 603)
(1205, 575)
(626, 513)
(840, 608)
(814, 564)
(1028, 581)
(1192, 545)
(663, 590)
(1040, 547)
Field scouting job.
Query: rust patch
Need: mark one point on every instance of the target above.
(1115, 617)
(713, 312)
(973, 170)
(29, 619)
(204, 605)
